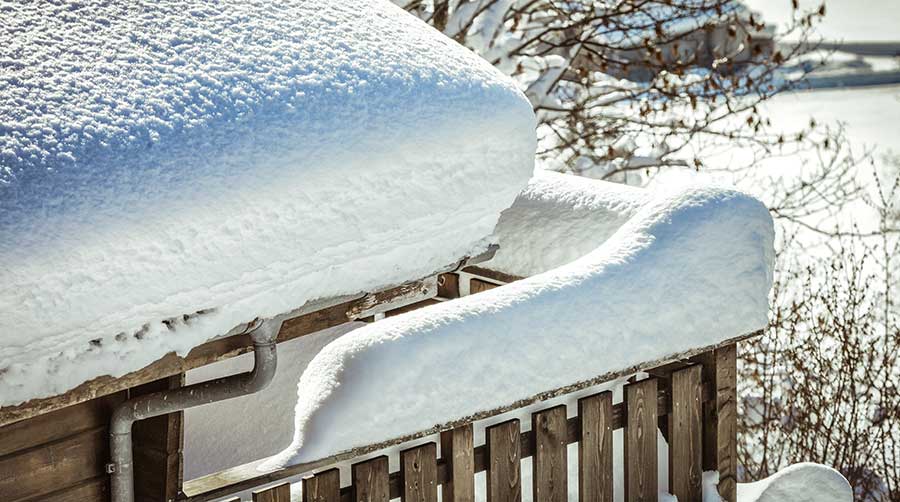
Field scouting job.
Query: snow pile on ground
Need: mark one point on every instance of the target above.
(689, 269)
(159, 159)
(805, 482)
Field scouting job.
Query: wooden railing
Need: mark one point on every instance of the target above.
(691, 401)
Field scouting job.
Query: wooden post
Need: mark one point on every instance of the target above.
(278, 493)
(371, 480)
(418, 474)
(641, 463)
(595, 450)
(323, 487)
(504, 482)
(458, 454)
(549, 473)
(726, 407)
(720, 418)
(685, 426)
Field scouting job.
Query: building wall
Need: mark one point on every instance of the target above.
(61, 456)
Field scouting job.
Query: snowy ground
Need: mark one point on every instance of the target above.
(859, 20)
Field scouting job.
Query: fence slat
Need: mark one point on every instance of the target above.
(504, 483)
(323, 487)
(550, 476)
(595, 450)
(726, 410)
(685, 446)
(418, 473)
(641, 483)
(371, 480)
(278, 493)
(458, 453)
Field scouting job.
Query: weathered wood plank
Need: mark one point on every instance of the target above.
(371, 480)
(411, 307)
(641, 484)
(726, 410)
(491, 274)
(550, 475)
(394, 298)
(55, 465)
(323, 487)
(418, 473)
(58, 424)
(91, 490)
(278, 493)
(504, 480)
(595, 449)
(458, 453)
(448, 286)
(685, 426)
(478, 286)
(709, 418)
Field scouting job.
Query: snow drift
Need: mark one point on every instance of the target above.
(238, 159)
(688, 269)
(805, 482)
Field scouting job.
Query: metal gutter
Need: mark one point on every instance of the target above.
(121, 466)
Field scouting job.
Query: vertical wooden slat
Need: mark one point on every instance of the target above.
(371, 480)
(595, 450)
(504, 482)
(278, 493)
(418, 473)
(323, 487)
(641, 484)
(685, 448)
(458, 453)
(726, 409)
(550, 476)
(710, 440)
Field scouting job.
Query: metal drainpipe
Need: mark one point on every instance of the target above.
(121, 467)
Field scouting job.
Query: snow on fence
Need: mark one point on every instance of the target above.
(692, 403)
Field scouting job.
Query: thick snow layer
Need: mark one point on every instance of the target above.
(689, 269)
(240, 158)
(558, 218)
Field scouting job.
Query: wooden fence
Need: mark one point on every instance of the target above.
(692, 403)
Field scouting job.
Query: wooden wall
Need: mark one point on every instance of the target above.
(61, 456)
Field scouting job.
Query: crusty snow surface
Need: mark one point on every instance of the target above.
(688, 269)
(240, 158)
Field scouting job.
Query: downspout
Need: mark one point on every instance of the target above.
(121, 467)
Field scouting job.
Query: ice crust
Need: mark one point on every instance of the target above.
(240, 158)
(688, 269)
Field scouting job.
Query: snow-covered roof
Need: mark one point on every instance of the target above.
(667, 272)
(239, 158)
